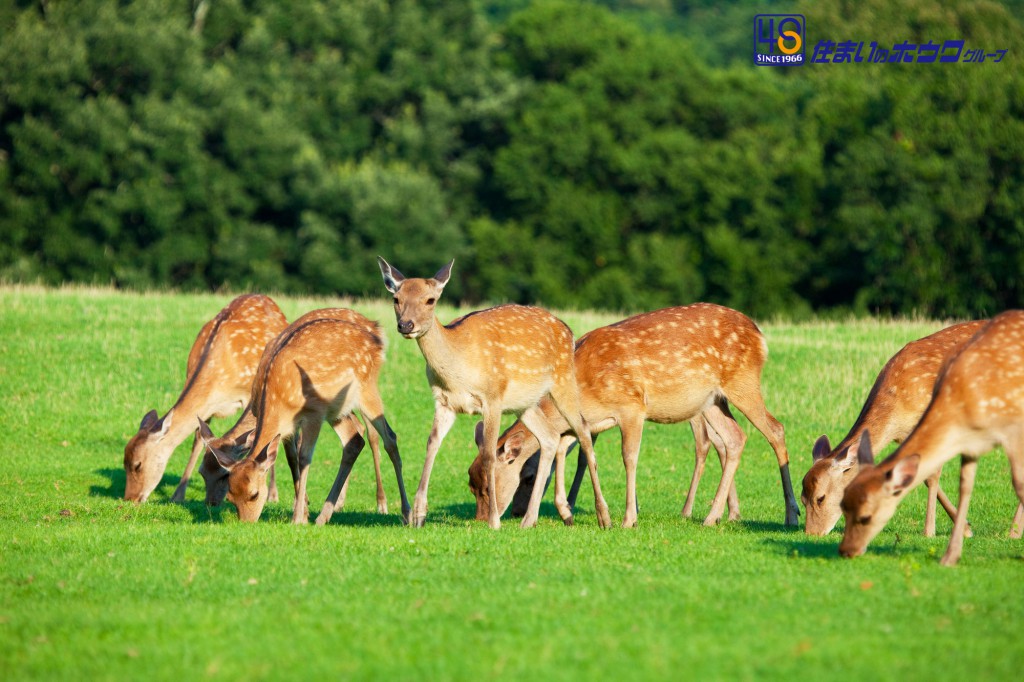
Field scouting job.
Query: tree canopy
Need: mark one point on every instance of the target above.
(622, 155)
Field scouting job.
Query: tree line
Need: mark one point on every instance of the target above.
(611, 155)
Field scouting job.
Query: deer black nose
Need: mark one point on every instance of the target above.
(405, 326)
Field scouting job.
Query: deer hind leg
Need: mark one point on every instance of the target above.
(732, 440)
(374, 438)
(968, 469)
(566, 400)
(350, 432)
(745, 395)
(1016, 455)
(372, 408)
(734, 500)
(197, 450)
(701, 446)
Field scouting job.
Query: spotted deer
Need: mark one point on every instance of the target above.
(668, 366)
(319, 370)
(978, 403)
(234, 442)
(527, 475)
(502, 359)
(893, 407)
(219, 374)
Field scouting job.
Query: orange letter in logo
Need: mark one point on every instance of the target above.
(795, 36)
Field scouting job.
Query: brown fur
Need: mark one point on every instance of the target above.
(320, 369)
(488, 362)
(667, 366)
(894, 405)
(978, 402)
(220, 369)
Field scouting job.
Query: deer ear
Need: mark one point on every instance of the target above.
(221, 458)
(864, 455)
(204, 431)
(246, 439)
(268, 455)
(393, 279)
(445, 273)
(902, 475)
(514, 444)
(149, 420)
(821, 448)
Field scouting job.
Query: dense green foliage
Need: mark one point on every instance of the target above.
(92, 587)
(619, 154)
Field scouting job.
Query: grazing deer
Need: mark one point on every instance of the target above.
(220, 370)
(489, 362)
(894, 405)
(668, 366)
(234, 442)
(978, 403)
(319, 370)
(702, 445)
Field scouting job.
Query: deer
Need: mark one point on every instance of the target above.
(235, 441)
(319, 369)
(501, 359)
(680, 364)
(977, 403)
(702, 446)
(219, 373)
(893, 408)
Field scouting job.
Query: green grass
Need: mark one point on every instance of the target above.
(91, 586)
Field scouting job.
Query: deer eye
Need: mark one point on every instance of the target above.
(395, 299)
(821, 499)
(864, 520)
(138, 467)
(431, 301)
(252, 498)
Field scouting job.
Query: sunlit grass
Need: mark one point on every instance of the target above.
(91, 586)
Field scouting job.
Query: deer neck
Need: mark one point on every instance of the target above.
(183, 425)
(443, 352)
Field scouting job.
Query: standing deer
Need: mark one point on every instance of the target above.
(894, 405)
(978, 403)
(488, 362)
(234, 442)
(220, 370)
(319, 370)
(668, 366)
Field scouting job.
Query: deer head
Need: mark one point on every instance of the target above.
(215, 474)
(145, 457)
(827, 479)
(514, 451)
(414, 298)
(243, 481)
(871, 500)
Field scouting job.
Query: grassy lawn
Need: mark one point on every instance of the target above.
(91, 586)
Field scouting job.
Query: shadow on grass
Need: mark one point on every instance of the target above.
(114, 487)
(116, 483)
(826, 548)
(466, 511)
(767, 526)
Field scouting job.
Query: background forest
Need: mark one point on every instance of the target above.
(619, 155)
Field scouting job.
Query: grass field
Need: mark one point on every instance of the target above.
(94, 587)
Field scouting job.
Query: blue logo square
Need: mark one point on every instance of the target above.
(780, 40)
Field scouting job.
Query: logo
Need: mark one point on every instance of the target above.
(779, 40)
